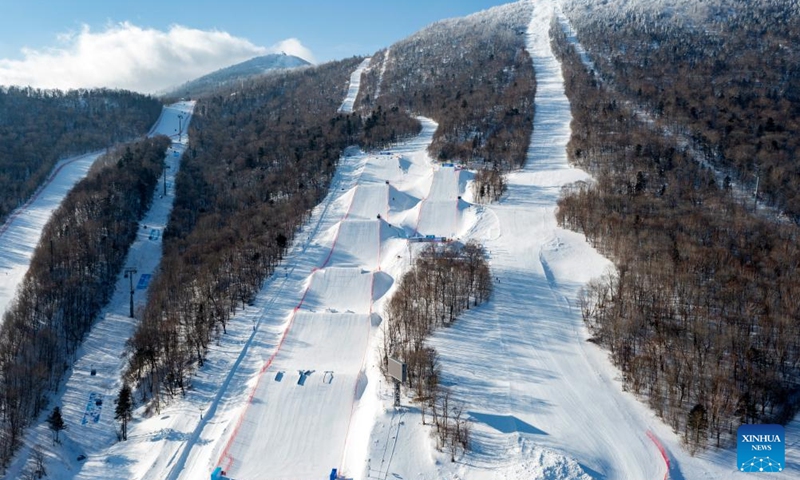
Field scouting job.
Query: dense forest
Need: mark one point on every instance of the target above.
(39, 127)
(701, 313)
(474, 77)
(443, 282)
(260, 158)
(724, 74)
(71, 277)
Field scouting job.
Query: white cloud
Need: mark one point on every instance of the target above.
(292, 46)
(134, 58)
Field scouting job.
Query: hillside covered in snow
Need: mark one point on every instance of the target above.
(544, 210)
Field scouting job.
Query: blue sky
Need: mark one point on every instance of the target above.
(330, 29)
(47, 43)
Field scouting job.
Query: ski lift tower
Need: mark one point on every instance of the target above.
(398, 372)
(129, 273)
(180, 128)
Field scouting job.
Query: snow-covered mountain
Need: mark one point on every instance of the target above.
(236, 73)
(281, 377)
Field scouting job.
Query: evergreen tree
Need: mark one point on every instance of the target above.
(696, 428)
(56, 424)
(124, 410)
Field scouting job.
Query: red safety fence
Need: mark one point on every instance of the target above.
(226, 460)
(661, 449)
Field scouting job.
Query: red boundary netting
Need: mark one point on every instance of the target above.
(226, 456)
(661, 449)
(226, 460)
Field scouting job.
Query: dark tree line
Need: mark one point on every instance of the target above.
(725, 73)
(39, 127)
(72, 275)
(474, 77)
(260, 158)
(444, 281)
(702, 314)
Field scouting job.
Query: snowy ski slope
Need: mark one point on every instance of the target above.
(293, 389)
(91, 426)
(544, 402)
(355, 85)
(545, 396)
(315, 317)
(21, 232)
(23, 228)
(295, 424)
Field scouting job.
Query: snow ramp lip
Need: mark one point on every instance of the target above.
(339, 289)
(357, 244)
(382, 283)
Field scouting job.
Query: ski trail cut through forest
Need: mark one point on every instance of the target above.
(355, 85)
(743, 192)
(537, 392)
(96, 373)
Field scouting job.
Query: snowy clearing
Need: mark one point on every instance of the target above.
(23, 228)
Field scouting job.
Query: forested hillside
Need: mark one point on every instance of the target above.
(701, 315)
(71, 277)
(38, 127)
(725, 73)
(473, 76)
(237, 74)
(263, 152)
(260, 158)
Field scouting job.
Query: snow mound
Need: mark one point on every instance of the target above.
(382, 282)
(338, 290)
(369, 201)
(544, 463)
(357, 244)
(400, 201)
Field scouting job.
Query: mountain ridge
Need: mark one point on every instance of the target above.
(238, 72)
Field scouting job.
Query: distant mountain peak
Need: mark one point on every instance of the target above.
(235, 73)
